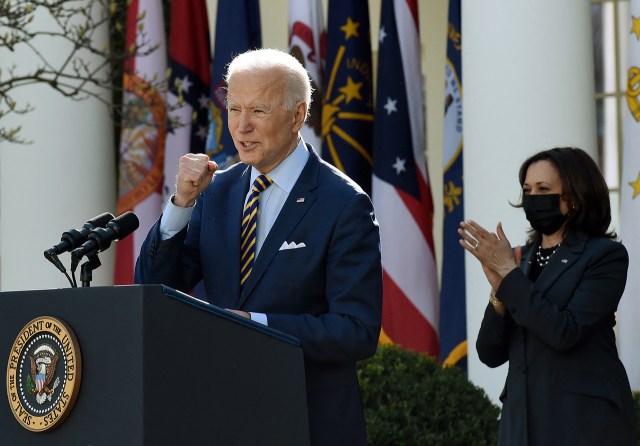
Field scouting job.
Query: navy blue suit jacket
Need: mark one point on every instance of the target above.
(566, 384)
(327, 294)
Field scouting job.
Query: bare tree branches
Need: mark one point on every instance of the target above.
(88, 61)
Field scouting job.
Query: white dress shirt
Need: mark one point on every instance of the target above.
(284, 176)
(272, 199)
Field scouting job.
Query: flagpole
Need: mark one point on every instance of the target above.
(628, 315)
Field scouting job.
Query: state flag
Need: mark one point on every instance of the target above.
(144, 129)
(189, 82)
(628, 314)
(453, 314)
(307, 42)
(237, 30)
(347, 111)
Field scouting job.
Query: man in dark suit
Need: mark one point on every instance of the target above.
(282, 238)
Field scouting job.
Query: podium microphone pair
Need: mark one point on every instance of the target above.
(95, 235)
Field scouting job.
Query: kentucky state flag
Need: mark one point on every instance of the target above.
(453, 315)
(237, 30)
(401, 192)
(347, 112)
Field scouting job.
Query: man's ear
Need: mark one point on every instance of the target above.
(299, 116)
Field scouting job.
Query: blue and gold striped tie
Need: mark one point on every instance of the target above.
(249, 223)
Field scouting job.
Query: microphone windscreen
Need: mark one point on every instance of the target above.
(100, 221)
(127, 223)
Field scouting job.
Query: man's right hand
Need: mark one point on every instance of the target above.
(195, 171)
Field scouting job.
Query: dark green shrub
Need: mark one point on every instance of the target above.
(409, 399)
(636, 403)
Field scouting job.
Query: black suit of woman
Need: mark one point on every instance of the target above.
(566, 384)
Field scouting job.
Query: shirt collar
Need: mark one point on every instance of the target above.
(287, 172)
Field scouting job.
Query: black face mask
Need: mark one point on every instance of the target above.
(543, 212)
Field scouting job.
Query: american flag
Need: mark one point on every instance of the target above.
(401, 192)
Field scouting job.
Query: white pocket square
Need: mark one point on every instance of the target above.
(292, 245)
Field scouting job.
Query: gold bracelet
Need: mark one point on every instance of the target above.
(493, 300)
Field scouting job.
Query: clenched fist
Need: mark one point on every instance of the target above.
(195, 171)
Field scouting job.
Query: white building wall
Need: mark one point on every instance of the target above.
(64, 177)
(528, 85)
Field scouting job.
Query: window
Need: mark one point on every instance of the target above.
(611, 27)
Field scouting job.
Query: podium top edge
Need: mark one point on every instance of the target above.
(220, 312)
(181, 297)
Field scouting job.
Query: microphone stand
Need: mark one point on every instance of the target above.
(86, 269)
(53, 258)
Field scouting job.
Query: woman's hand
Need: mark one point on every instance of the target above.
(494, 278)
(493, 250)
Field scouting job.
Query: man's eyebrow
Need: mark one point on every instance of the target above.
(263, 106)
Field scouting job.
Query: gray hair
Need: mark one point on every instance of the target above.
(298, 82)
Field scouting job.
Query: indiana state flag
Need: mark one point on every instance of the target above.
(453, 316)
(237, 30)
(347, 113)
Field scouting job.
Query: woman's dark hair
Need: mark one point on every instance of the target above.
(583, 187)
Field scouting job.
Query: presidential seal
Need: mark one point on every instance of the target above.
(43, 374)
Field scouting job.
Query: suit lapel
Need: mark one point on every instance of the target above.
(288, 218)
(566, 255)
(235, 204)
(527, 258)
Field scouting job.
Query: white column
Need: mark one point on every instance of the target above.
(58, 182)
(528, 85)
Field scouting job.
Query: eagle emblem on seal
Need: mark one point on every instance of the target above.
(43, 369)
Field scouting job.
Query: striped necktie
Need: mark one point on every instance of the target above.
(249, 223)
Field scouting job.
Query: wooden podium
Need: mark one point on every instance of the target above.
(162, 368)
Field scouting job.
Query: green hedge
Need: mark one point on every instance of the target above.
(409, 399)
(636, 403)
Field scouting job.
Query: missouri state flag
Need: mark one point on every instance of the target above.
(347, 111)
(144, 130)
(401, 192)
(189, 81)
(237, 30)
(453, 315)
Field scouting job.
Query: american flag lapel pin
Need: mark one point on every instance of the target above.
(300, 200)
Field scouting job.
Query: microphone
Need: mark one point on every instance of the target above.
(100, 238)
(74, 238)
